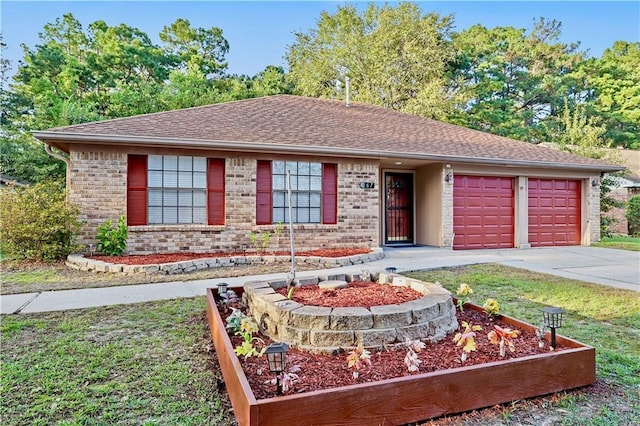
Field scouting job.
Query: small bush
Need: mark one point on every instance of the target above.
(36, 223)
(633, 215)
(113, 240)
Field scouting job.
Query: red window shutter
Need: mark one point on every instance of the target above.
(215, 191)
(137, 190)
(263, 193)
(329, 193)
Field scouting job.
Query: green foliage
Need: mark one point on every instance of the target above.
(112, 240)
(247, 349)
(511, 81)
(37, 223)
(261, 240)
(491, 308)
(234, 321)
(394, 56)
(633, 215)
(621, 242)
(612, 87)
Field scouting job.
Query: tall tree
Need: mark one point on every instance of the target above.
(198, 48)
(270, 81)
(612, 91)
(512, 80)
(394, 57)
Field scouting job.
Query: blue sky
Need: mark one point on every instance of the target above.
(259, 32)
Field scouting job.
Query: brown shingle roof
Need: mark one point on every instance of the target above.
(316, 125)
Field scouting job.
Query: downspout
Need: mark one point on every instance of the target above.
(54, 154)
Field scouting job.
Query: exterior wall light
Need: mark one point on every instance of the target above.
(595, 182)
(448, 177)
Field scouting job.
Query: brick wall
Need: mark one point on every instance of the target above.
(593, 210)
(99, 189)
(447, 210)
(618, 214)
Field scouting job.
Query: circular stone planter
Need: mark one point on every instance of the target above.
(324, 329)
(78, 261)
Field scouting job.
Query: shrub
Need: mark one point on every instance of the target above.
(633, 215)
(112, 240)
(37, 223)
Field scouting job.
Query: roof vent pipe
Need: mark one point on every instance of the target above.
(346, 81)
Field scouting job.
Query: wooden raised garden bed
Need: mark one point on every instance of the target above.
(406, 399)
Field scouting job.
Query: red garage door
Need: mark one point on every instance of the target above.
(482, 212)
(554, 212)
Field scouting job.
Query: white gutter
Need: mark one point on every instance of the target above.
(243, 146)
(47, 148)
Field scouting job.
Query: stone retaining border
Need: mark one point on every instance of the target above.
(79, 262)
(323, 329)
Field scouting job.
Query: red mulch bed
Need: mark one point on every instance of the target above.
(154, 259)
(328, 371)
(354, 295)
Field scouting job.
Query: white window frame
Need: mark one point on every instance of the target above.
(177, 190)
(306, 191)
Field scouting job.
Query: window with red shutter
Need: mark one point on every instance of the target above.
(215, 192)
(314, 192)
(263, 193)
(329, 194)
(137, 190)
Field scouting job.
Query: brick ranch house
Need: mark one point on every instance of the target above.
(202, 179)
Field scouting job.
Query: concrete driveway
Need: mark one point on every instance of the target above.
(611, 267)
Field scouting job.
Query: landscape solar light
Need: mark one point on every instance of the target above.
(277, 358)
(552, 319)
(245, 246)
(222, 288)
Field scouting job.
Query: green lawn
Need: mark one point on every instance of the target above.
(620, 242)
(152, 363)
(143, 364)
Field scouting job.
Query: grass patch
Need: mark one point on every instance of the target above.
(135, 364)
(620, 242)
(41, 276)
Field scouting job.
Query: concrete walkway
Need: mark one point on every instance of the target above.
(610, 267)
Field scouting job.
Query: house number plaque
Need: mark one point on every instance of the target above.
(367, 185)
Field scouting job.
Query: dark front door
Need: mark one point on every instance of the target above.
(399, 208)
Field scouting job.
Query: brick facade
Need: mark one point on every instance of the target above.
(99, 188)
(593, 211)
(618, 214)
(447, 210)
(99, 183)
